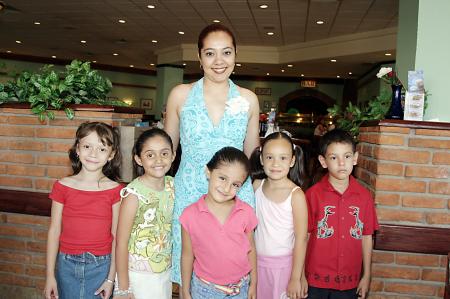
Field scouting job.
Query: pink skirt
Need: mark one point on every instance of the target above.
(274, 273)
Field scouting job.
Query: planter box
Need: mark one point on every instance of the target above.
(33, 154)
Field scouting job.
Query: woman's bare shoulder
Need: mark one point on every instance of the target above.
(178, 94)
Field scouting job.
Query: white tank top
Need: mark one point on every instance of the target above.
(274, 234)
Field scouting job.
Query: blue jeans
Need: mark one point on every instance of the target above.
(202, 290)
(80, 275)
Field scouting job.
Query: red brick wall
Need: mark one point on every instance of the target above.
(22, 255)
(407, 169)
(33, 155)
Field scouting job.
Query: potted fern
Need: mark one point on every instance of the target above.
(49, 90)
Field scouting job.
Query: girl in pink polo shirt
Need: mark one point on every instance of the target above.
(281, 236)
(218, 257)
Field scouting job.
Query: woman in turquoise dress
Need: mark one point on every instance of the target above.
(204, 117)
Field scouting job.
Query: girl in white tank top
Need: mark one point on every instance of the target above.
(281, 235)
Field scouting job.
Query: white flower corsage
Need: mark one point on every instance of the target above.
(384, 71)
(237, 105)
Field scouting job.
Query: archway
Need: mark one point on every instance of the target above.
(306, 100)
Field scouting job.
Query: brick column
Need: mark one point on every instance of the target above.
(406, 166)
(33, 154)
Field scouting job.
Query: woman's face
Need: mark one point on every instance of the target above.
(218, 55)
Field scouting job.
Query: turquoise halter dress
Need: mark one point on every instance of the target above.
(200, 139)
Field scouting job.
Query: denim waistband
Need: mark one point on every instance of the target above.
(85, 257)
(231, 289)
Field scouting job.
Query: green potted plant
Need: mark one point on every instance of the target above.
(48, 90)
(352, 116)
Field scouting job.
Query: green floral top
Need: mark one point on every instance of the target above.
(150, 243)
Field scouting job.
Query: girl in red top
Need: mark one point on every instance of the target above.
(85, 209)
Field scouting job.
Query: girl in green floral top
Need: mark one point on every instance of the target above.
(143, 250)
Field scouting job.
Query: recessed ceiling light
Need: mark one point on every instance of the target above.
(270, 33)
(290, 65)
(181, 32)
(122, 21)
(94, 61)
(18, 42)
(302, 75)
(115, 54)
(216, 21)
(154, 41)
(267, 74)
(8, 51)
(151, 6)
(350, 73)
(387, 54)
(282, 71)
(333, 60)
(338, 76)
(83, 41)
(184, 64)
(152, 64)
(53, 56)
(320, 22)
(263, 6)
(131, 65)
(238, 64)
(37, 23)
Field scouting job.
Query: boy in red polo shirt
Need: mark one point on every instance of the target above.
(341, 222)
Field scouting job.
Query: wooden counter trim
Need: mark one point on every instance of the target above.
(407, 124)
(402, 238)
(430, 240)
(84, 107)
(25, 202)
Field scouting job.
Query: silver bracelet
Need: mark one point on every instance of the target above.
(109, 280)
(118, 292)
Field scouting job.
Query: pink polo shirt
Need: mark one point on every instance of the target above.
(220, 251)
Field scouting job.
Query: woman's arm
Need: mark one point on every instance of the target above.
(254, 271)
(300, 218)
(175, 102)
(127, 213)
(54, 231)
(187, 264)
(252, 136)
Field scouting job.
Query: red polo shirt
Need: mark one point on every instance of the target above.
(337, 223)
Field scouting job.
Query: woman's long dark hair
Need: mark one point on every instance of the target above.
(297, 173)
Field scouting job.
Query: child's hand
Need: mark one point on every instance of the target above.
(51, 289)
(304, 287)
(251, 291)
(363, 286)
(294, 289)
(105, 290)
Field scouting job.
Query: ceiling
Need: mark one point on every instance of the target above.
(63, 24)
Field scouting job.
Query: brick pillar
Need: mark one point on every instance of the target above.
(406, 166)
(33, 154)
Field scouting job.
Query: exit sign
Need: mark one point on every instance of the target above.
(308, 83)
